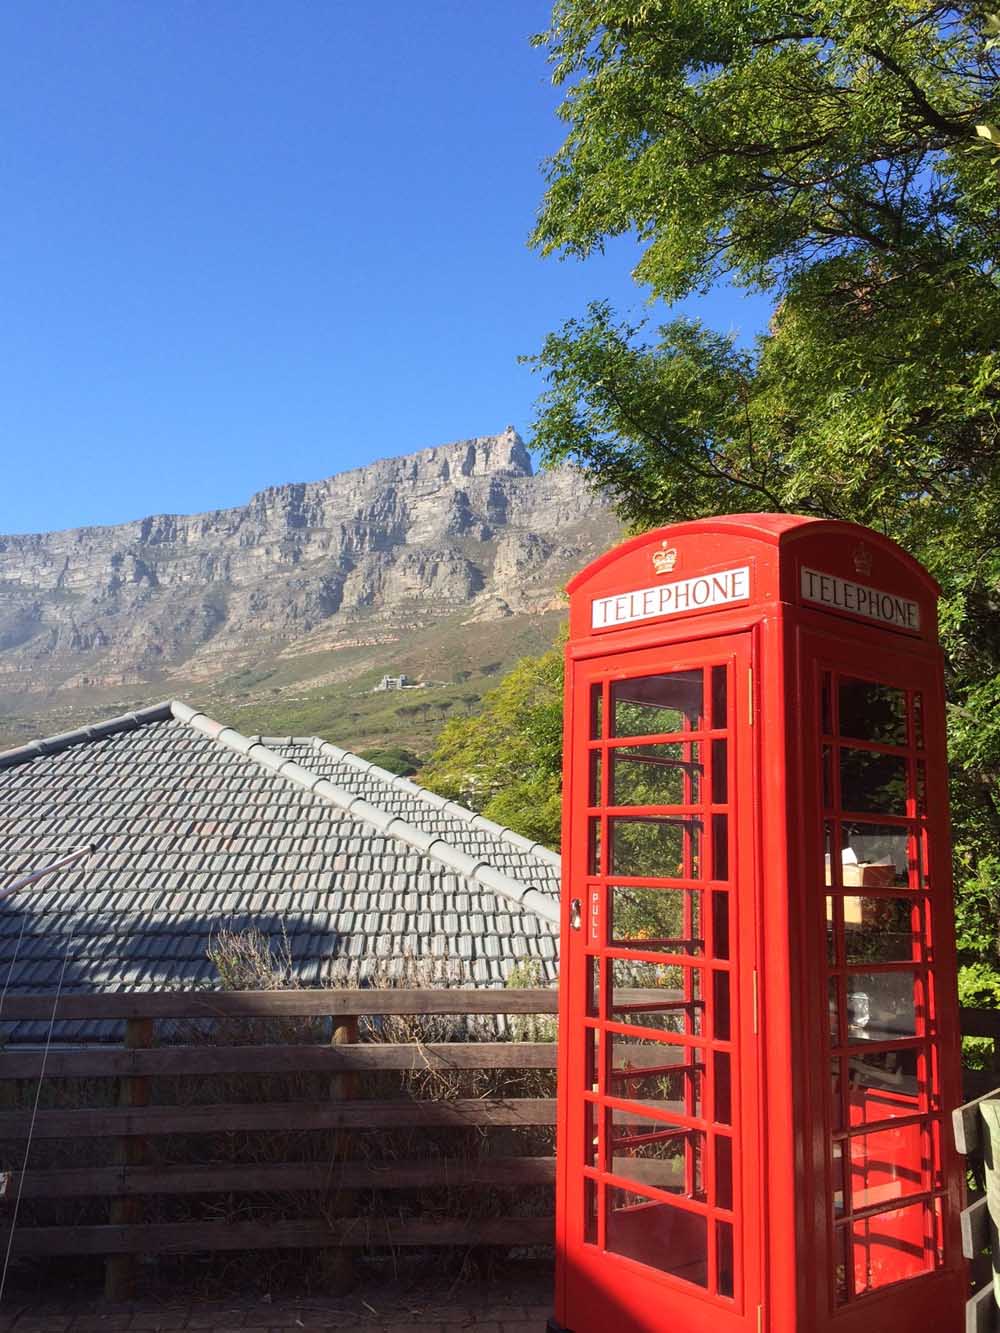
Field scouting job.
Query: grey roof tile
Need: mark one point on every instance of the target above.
(193, 835)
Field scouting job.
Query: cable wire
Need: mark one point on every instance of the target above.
(38, 1095)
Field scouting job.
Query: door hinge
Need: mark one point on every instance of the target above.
(750, 695)
(756, 1004)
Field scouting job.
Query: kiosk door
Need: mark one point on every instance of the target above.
(663, 1216)
(877, 739)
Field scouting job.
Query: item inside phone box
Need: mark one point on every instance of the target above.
(857, 874)
(863, 875)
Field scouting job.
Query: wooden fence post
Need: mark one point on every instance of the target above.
(120, 1270)
(340, 1261)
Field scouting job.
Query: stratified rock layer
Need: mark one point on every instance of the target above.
(390, 547)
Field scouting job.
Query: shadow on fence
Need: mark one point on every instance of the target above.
(340, 1121)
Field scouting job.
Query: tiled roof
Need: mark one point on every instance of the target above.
(197, 827)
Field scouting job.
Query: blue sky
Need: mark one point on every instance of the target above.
(257, 242)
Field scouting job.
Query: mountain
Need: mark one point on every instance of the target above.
(306, 585)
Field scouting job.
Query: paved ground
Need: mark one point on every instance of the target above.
(522, 1309)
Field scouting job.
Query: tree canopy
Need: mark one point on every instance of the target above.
(842, 157)
(762, 139)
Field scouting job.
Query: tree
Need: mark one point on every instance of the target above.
(507, 760)
(835, 156)
(761, 140)
(395, 758)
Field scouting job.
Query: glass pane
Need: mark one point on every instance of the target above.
(720, 846)
(656, 775)
(837, 1180)
(877, 856)
(825, 705)
(833, 1008)
(665, 997)
(657, 848)
(833, 863)
(842, 1265)
(596, 711)
(870, 712)
(879, 930)
(720, 685)
(721, 1017)
(591, 1058)
(657, 1073)
(655, 705)
(918, 721)
(656, 920)
(724, 1257)
(720, 773)
(836, 1094)
(723, 1088)
(892, 1245)
(827, 762)
(595, 778)
(590, 1212)
(590, 1140)
(720, 924)
(887, 1166)
(872, 783)
(882, 1006)
(723, 1171)
(594, 987)
(657, 1235)
(594, 854)
(832, 928)
(651, 1152)
(884, 1085)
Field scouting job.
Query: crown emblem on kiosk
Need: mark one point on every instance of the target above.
(862, 559)
(664, 559)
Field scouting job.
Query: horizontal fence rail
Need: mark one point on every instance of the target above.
(194, 1237)
(152, 1121)
(184, 1061)
(492, 1173)
(104, 1092)
(278, 1004)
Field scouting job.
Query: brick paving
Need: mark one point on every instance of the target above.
(488, 1310)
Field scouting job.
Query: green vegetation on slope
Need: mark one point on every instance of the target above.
(507, 761)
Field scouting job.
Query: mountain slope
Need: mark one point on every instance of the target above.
(306, 585)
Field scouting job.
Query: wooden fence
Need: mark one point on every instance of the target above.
(133, 1120)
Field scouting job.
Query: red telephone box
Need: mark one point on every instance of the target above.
(759, 1041)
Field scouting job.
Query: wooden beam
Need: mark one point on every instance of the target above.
(282, 1003)
(463, 1113)
(979, 1022)
(195, 1237)
(174, 1061)
(121, 1271)
(981, 1312)
(975, 1228)
(453, 1172)
(967, 1123)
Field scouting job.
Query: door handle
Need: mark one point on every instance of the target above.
(575, 913)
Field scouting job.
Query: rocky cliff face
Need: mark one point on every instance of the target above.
(376, 551)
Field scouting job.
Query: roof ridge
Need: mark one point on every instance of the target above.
(442, 803)
(139, 717)
(481, 872)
